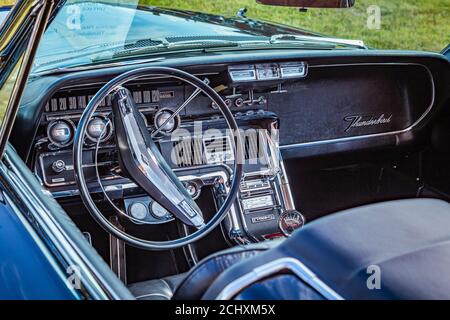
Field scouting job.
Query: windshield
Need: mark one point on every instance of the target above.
(85, 32)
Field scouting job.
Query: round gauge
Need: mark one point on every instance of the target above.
(138, 211)
(96, 129)
(60, 132)
(160, 119)
(290, 221)
(158, 211)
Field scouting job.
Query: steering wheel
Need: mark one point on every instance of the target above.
(142, 162)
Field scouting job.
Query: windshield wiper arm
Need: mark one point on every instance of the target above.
(292, 37)
(166, 46)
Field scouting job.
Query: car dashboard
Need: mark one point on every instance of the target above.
(297, 107)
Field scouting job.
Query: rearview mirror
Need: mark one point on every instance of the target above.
(309, 3)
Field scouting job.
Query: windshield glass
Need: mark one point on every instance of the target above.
(84, 32)
(83, 28)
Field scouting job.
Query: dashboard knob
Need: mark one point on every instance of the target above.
(58, 166)
(239, 102)
(193, 190)
(228, 103)
(138, 210)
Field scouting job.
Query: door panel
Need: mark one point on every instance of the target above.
(25, 271)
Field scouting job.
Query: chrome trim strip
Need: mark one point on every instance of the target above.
(274, 267)
(285, 187)
(223, 174)
(373, 135)
(41, 10)
(281, 176)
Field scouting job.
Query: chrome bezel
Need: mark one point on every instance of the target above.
(72, 127)
(302, 221)
(108, 134)
(177, 121)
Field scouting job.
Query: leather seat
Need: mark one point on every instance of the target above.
(407, 240)
(405, 243)
(158, 289)
(192, 285)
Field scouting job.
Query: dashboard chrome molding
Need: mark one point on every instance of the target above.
(374, 135)
(274, 267)
(224, 175)
(69, 167)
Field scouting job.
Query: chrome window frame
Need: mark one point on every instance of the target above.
(14, 27)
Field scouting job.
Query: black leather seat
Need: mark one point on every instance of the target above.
(407, 240)
(192, 285)
(158, 289)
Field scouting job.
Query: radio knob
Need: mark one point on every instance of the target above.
(192, 189)
(58, 166)
(239, 102)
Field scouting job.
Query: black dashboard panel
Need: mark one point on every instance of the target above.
(346, 101)
(393, 88)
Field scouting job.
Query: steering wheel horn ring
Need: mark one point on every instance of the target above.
(136, 148)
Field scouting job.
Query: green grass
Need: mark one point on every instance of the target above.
(405, 24)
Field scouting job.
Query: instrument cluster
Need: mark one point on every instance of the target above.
(61, 132)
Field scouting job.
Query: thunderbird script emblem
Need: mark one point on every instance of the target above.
(357, 121)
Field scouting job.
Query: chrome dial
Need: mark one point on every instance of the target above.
(138, 210)
(97, 129)
(161, 118)
(61, 132)
(290, 221)
(158, 211)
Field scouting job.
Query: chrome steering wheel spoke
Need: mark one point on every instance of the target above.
(141, 160)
